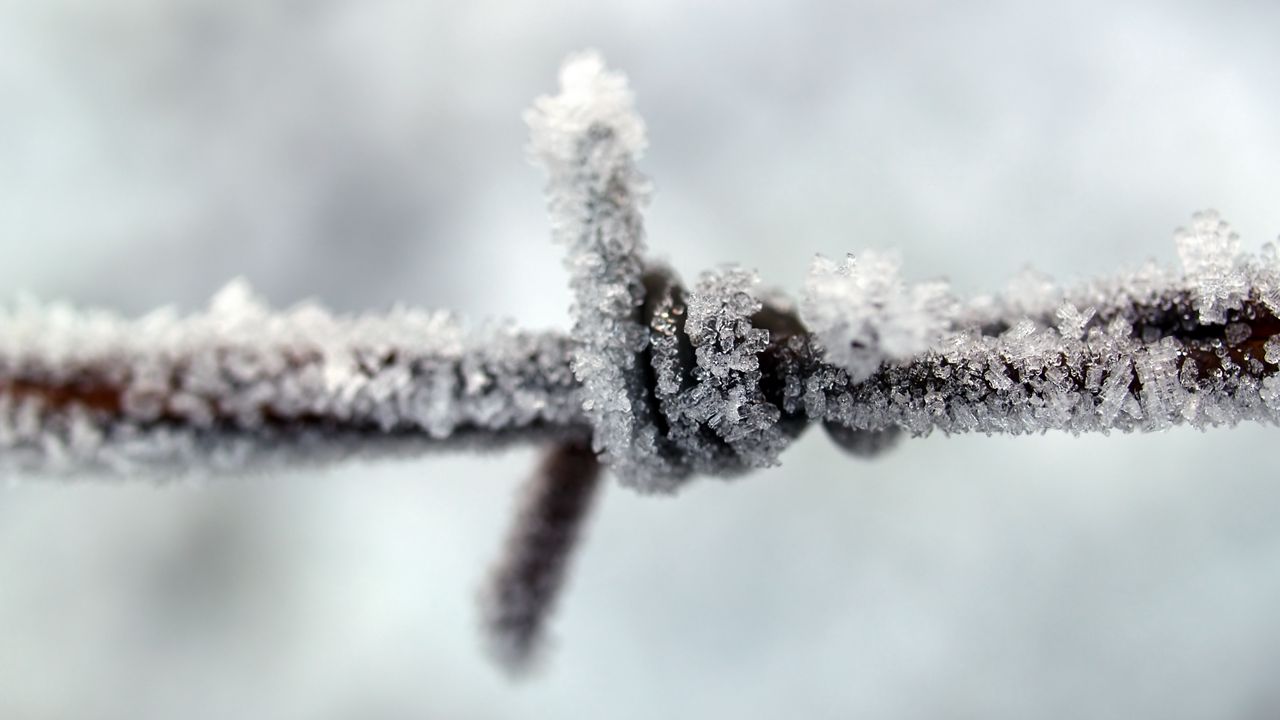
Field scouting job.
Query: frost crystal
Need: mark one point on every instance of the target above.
(666, 382)
(588, 137)
(656, 416)
(658, 382)
(727, 397)
(1267, 272)
(1209, 250)
(1149, 349)
(863, 314)
(214, 390)
(1072, 322)
(1272, 350)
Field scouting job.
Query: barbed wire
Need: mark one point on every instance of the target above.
(663, 382)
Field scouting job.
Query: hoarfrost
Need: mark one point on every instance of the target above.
(1150, 349)
(1072, 322)
(864, 314)
(667, 383)
(656, 418)
(1030, 292)
(727, 397)
(587, 138)
(1209, 251)
(1272, 350)
(1268, 277)
(208, 391)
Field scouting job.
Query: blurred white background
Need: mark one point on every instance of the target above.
(372, 152)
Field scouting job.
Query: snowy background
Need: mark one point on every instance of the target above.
(372, 152)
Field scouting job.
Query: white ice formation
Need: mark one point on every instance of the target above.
(219, 388)
(588, 138)
(1139, 351)
(669, 382)
(655, 419)
(863, 314)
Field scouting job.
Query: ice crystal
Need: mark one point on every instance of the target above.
(864, 314)
(727, 396)
(655, 417)
(1209, 250)
(667, 381)
(1149, 349)
(1272, 350)
(657, 381)
(209, 390)
(588, 137)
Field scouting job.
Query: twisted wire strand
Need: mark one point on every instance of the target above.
(668, 381)
(658, 381)
(81, 391)
(239, 386)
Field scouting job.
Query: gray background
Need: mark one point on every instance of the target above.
(372, 152)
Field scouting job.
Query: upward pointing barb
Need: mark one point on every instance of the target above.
(676, 383)
(653, 424)
(587, 137)
(591, 100)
